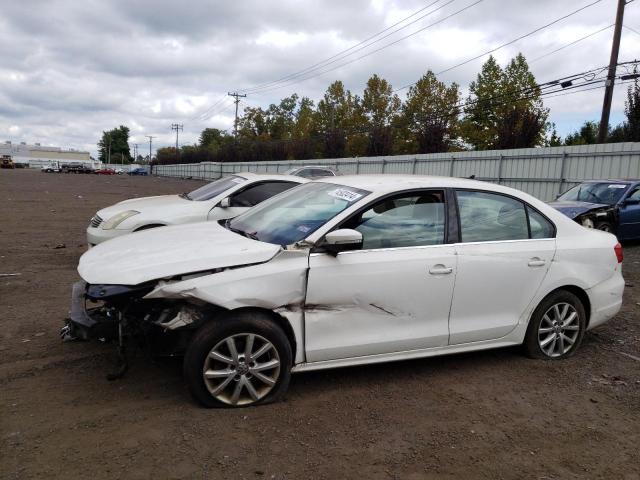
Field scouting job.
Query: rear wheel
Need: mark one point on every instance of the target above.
(241, 360)
(557, 327)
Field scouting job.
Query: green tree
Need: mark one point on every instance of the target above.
(480, 124)
(632, 112)
(504, 109)
(379, 109)
(430, 116)
(212, 138)
(335, 118)
(118, 139)
(587, 134)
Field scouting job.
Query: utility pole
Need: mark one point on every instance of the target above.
(150, 137)
(109, 156)
(177, 127)
(237, 97)
(611, 75)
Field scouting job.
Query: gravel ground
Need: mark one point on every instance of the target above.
(487, 415)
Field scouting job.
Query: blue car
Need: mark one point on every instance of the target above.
(138, 171)
(608, 205)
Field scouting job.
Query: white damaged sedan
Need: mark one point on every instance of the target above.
(220, 199)
(348, 271)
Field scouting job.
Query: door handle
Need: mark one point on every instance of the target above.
(440, 270)
(536, 262)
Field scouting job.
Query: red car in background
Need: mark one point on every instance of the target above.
(105, 171)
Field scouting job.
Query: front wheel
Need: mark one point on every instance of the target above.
(240, 360)
(557, 327)
(604, 226)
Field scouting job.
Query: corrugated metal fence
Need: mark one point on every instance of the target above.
(542, 172)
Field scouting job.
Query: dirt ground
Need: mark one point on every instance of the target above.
(487, 415)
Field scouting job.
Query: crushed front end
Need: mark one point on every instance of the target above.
(121, 313)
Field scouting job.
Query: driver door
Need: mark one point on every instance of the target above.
(394, 294)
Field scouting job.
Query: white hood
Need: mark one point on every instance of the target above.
(167, 251)
(145, 204)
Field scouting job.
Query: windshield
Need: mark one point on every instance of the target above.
(296, 213)
(606, 193)
(210, 190)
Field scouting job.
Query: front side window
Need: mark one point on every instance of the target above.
(486, 217)
(408, 220)
(606, 193)
(213, 189)
(258, 193)
(296, 213)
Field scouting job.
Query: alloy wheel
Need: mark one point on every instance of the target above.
(559, 329)
(241, 369)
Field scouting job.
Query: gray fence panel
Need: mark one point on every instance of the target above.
(542, 172)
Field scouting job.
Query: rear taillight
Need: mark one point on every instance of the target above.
(618, 250)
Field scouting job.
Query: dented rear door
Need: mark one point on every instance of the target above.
(371, 302)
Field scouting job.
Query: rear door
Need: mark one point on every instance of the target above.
(505, 252)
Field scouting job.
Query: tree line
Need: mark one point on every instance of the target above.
(504, 109)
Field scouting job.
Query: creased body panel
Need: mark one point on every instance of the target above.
(375, 302)
(278, 285)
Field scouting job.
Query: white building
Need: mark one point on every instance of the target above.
(37, 156)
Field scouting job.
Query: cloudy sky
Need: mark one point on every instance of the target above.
(70, 69)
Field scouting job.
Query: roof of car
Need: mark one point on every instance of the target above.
(270, 176)
(610, 180)
(389, 183)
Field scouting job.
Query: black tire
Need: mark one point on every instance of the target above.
(532, 341)
(216, 331)
(604, 226)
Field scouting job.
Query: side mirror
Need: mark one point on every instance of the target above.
(225, 202)
(342, 240)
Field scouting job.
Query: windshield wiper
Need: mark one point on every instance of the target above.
(185, 195)
(250, 235)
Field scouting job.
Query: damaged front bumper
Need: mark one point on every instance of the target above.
(88, 323)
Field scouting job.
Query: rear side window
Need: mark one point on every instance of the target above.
(486, 217)
(540, 226)
(255, 194)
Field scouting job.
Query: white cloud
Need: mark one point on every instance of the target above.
(72, 69)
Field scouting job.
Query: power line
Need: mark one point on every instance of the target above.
(378, 49)
(570, 44)
(632, 29)
(353, 49)
(210, 108)
(528, 34)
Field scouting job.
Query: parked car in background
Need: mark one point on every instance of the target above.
(223, 198)
(76, 167)
(608, 205)
(105, 171)
(119, 171)
(349, 271)
(138, 171)
(311, 171)
(50, 168)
